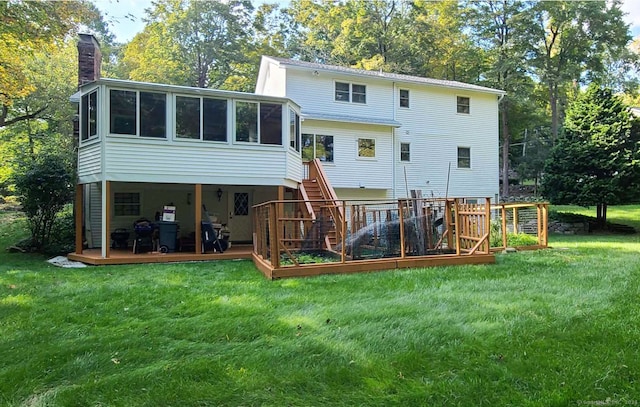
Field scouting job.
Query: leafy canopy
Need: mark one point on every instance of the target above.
(596, 161)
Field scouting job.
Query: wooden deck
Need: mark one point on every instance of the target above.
(94, 256)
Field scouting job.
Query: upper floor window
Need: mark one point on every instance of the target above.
(463, 104)
(464, 157)
(350, 92)
(88, 116)
(258, 122)
(366, 147)
(317, 146)
(138, 113)
(201, 118)
(294, 129)
(404, 98)
(405, 152)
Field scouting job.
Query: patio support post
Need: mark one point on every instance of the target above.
(79, 216)
(198, 217)
(515, 220)
(545, 224)
(106, 199)
(343, 238)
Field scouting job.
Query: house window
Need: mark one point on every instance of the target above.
(342, 92)
(366, 147)
(404, 98)
(317, 146)
(191, 112)
(88, 116)
(153, 114)
(464, 104)
(464, 157)
(405, 152)
(259, 123)
(349, 92)
(358, 94)
(247, 122)
(294, 130)
(214, 119)
(187, 117)
(138, 113)
(270, 123)
(126, 204)
(241, 204)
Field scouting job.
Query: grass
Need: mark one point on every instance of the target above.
(623, 214)
(558, 327)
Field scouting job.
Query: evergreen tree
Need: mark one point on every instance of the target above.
(596, 161)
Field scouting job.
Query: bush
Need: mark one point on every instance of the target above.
(43, 187)
(62, 239)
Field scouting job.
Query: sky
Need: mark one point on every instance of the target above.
(125, 16)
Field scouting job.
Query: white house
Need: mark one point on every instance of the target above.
(143, 146)
(380, 135)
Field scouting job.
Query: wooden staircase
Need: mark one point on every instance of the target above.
(322, 202)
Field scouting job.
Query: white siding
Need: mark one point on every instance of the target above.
(435, 131)
(93, 215)
(273, 80)
(294, 166)
(89, 162)
(316, 93)
(347, 170)
(143, 160)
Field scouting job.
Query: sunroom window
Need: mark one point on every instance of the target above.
(294, 129)
(201, 118)
(138, 113)
(88, 116)
(258, 123)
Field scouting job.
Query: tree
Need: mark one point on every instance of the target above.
(190, 42)
(27, 27)
(569, 42)
(43, 187)
(596, 160)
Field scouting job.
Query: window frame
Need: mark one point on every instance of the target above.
(117, 205)
(350, 93)
(314, 144)
(86, 112)
(358, 148)
(465, 158)
(258, 141)
(295, 130)
(407, 98)
(138, 118)
(461, 107)
(408, 160)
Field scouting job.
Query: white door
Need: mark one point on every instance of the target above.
(240, 215)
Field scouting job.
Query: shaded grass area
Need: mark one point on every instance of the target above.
(542, 328)
(622, 214)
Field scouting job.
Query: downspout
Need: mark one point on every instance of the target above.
(393, 148)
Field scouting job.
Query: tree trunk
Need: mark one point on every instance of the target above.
(601, 215)
(553, 104)
(506, 142)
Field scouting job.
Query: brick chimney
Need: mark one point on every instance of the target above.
(89, 59)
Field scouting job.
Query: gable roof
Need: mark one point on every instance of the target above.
(394, 77)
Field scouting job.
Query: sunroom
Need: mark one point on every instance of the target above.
(144, 147)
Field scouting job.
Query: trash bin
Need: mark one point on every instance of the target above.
(167, 236)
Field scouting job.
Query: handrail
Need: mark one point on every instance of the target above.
(316, 171)
(307, 203)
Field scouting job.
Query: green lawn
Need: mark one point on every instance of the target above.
(559, 327)
(624, 214)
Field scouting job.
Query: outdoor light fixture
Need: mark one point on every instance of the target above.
(219, 194)
(188, 198)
